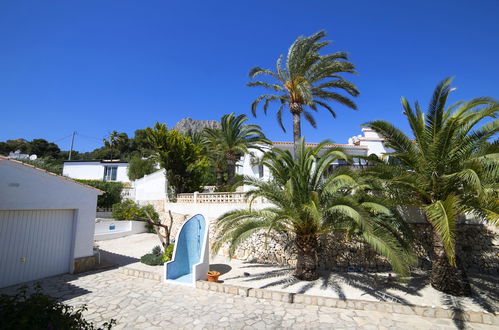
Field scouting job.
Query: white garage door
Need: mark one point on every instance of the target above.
(34, 244)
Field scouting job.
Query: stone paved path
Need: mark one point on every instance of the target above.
(144, 304)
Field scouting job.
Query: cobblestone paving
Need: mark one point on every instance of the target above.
(144, 304)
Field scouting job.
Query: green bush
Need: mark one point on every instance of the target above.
(128, 210)
(154, 258)
(112, 193)
(167, 256)
(41, 311)
(138, 167)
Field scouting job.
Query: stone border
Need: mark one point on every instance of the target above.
(388, 307)
(141, 273)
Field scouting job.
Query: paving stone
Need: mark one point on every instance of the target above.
(140, 303)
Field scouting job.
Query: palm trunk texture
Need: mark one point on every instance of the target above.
(307, 261)
(296, 110)
(444, 277)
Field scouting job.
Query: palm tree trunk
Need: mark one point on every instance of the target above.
(296, 110)
(231, 167)
(307, 261)
(220, 177)
(444, 277)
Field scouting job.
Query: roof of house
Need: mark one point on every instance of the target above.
(107, 161)
(3, 158)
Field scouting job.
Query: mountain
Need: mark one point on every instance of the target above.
(189, 124)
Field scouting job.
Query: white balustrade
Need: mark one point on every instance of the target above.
(216, 198)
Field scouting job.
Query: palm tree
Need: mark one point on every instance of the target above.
(115, 142)
(308, 205)
(449, 169)
(306, 81)
(232, 140)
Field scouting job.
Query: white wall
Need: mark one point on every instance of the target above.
(94, 170)
(26, 188)
(122, 228)
(373, 141)
(246, 168)
(151, 187)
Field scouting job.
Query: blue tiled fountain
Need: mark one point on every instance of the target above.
(190, 260)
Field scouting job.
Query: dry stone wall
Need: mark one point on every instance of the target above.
(477, 248)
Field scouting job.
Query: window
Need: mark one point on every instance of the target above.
(110, 173)
(260, 171)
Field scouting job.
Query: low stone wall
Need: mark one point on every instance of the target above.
(84, 264)
(477, 244)
(477, 249)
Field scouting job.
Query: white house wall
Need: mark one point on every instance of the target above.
(151, 187)
(25, 188)
(94, 170)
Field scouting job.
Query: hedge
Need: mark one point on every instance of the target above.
(112, 193)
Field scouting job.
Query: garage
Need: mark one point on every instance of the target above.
(48, 252)
(46, 224)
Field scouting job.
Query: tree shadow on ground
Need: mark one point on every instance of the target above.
(108, 257)
(376, 286)
(59, 286)
(221, 268)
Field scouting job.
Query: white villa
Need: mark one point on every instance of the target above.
(368, 144)
(154, 187)
(105, 170)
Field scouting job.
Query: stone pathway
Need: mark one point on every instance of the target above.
(138, 303)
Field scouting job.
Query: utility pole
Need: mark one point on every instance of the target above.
(71, 148)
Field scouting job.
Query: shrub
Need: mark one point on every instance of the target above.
(129, 210)
(154, 258)
(112, 193)
(138, 167)
(41, 311)
(167, 256)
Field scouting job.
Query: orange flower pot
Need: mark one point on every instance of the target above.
(213, 276)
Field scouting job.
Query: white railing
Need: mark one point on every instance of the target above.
(216, 198)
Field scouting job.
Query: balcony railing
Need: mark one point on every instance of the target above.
(216, 198)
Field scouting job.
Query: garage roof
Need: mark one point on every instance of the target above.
(3, 158)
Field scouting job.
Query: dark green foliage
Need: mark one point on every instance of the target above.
(129, 210)
(451, 167)
(138, 167)
(155, 258)
(308, 204)
(40, 311)
(47, 164)
(305, 82)
(227, 144)
(231, 186)
(40, 147)
(112, 193)
(183, 160)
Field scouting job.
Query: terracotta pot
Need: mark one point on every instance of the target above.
(213, 276)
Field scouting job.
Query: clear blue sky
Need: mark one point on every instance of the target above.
(95, 66)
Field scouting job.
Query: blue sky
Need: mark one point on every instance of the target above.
(97, 66)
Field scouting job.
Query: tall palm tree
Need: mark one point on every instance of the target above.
(306, 81)
(233, 139)
(309, 205)
(116, 142)
(449, 169)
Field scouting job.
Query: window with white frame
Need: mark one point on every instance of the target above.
(110, 173)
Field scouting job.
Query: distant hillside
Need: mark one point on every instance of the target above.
(187, 124)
